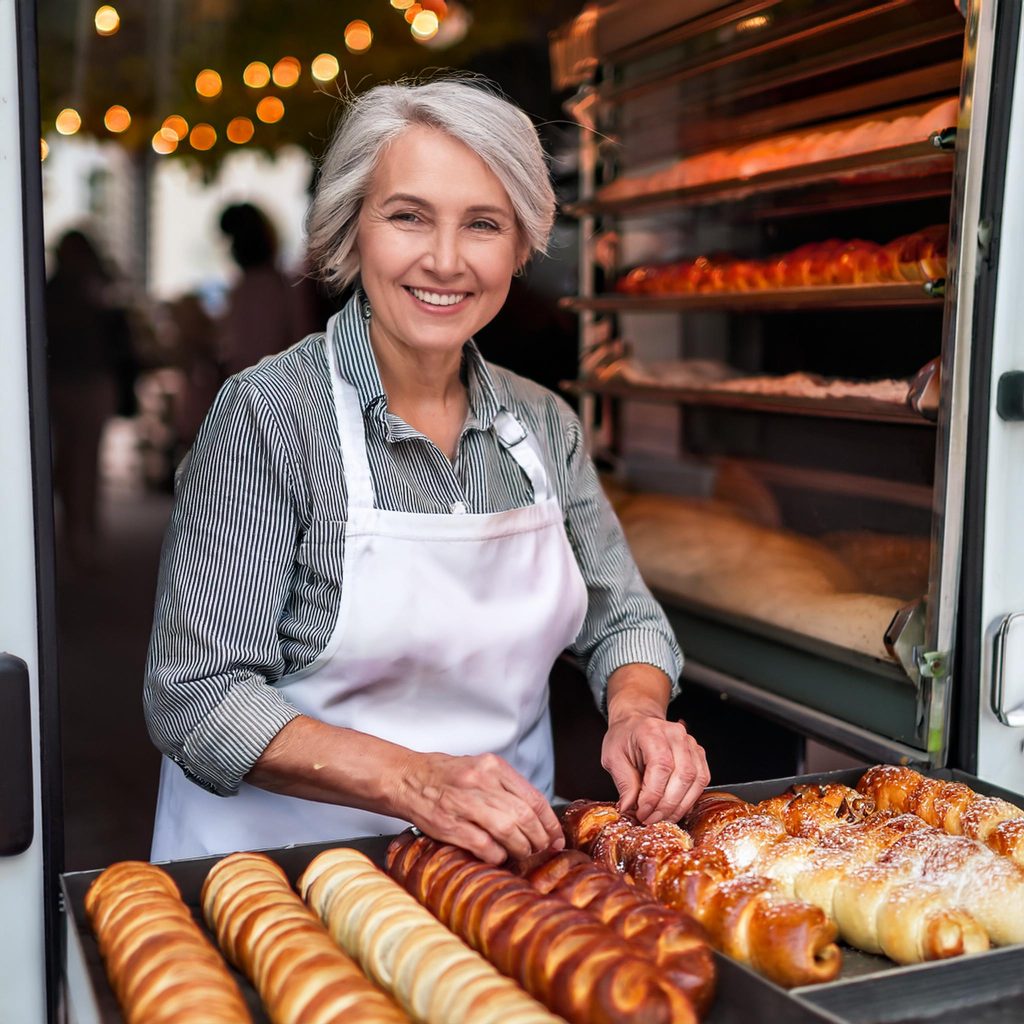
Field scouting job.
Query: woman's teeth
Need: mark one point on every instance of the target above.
(433, 299)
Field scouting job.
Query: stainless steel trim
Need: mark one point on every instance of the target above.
(1013, 717)
(958, 327)
(834, 731)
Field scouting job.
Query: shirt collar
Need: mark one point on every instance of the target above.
(359, 367)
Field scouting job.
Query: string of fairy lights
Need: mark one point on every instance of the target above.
(425, 18)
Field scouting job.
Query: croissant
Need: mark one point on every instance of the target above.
(677, 944)
(566, 957)
(160, 965)
(951, 806)
(282, 947)
(435, 977)
(750, 919)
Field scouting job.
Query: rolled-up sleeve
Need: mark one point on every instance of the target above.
(624, 624)
(225, 574)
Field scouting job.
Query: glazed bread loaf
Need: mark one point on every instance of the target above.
(160, 965)
(951, 806)
(750, 918)
(566, 957)
(435, 977)
(269, 933)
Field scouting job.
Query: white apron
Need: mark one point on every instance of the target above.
(447, 631)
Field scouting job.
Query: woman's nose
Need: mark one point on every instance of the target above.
(444, 256)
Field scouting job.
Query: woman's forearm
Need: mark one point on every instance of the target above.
(316, 761)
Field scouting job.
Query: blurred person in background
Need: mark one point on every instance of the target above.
(264, 314)
(91, 369)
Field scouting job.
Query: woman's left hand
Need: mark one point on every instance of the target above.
(658, 768)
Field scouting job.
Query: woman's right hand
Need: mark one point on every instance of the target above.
(477, 802)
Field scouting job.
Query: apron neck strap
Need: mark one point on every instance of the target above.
(351, 431)
(515, 439)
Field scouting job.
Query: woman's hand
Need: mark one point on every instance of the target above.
(479, 803)
(658, 768)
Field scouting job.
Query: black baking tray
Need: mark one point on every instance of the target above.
(742, 996)
(987, 988)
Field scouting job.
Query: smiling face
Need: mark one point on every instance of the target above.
(437, 243)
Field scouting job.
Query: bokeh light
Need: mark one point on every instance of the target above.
(163, 145)
(402, 5)
(411, 11)
(68, 121)
(270, 110)
(174, 127)
(286, 72)
(256, 75)
(439, 7)
(44, 149)
(107, 20)
(239, 130)
(358, 37)
(325, 67)
(202, 136)
(208, 83)
(425, 25)
(117, 118)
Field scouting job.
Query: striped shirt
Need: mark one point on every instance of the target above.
(251, 572)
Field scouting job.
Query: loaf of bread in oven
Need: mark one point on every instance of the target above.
(566, 957)
(162, 968)
(431, 973)
(282, 947)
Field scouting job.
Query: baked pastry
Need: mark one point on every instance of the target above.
(566, 957)
(951, 806)
(678, 945)
(162, 968)
(430, 972)
(748, 918)
(283, 948)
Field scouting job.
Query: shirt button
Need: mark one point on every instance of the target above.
(459, 508)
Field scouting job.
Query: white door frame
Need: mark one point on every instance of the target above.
(29, 965)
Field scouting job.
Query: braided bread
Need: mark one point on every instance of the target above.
(566, 957)
(750, 919)
(435, 977)
(270, 934)
(162, 968)
(951, 806)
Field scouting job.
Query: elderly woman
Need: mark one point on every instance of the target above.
(380, 544)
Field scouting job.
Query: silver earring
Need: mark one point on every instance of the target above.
(367, 311)
(519, 272)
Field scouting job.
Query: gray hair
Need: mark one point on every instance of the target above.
(501, 134)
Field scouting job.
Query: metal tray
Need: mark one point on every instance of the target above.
(742, 996)
(987, 988)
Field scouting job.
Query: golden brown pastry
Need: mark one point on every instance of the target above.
(435, 976)
(566, 957)
(270, 934)
(748, 918)
(677, 944)
(162, 968)
(951, 806)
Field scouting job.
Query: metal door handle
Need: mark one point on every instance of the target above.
(16, 789)
(1008, 655)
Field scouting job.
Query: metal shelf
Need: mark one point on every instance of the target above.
(847, 296)
(921, 168)
(863, 409)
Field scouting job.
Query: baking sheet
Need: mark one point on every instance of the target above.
(742, 996)
(987, 988)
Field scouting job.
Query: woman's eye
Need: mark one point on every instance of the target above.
(406, 217)
(484, 225)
